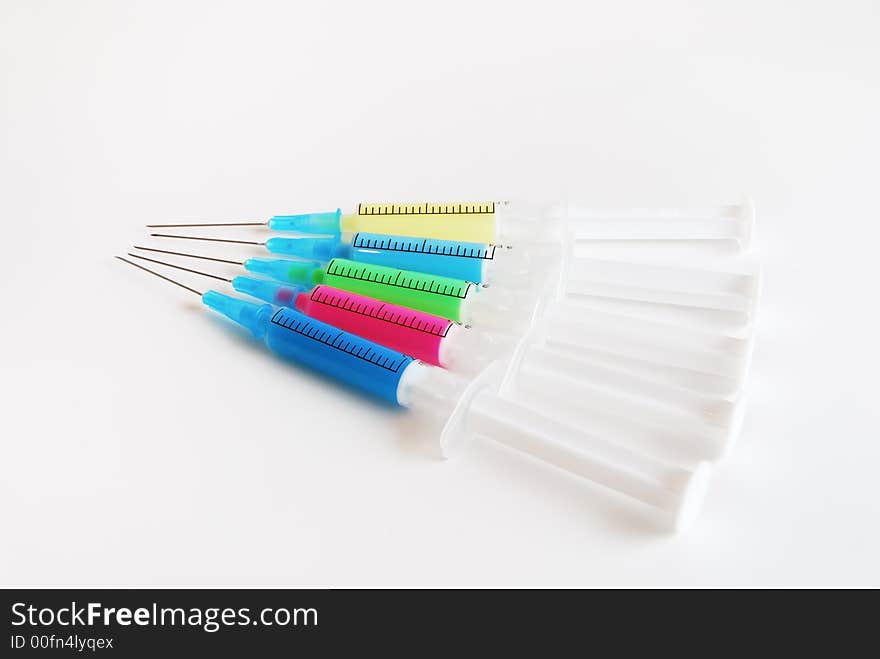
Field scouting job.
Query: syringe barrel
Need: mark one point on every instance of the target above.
(449, 258)
(320, 223)
(470, 221)
(415, 333)
(482, 263)
(433, 294)
(343, 356)
(479, 222)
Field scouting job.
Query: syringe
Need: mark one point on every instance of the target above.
(474, 222)
(456, 299)
(474, 262)
(513, 222)
(475, 407)
(477, 262)
(703, 362)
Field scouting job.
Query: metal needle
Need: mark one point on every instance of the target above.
(209, 224)
(152, 272)
(180, 267)
(213, 240)
(192, 256)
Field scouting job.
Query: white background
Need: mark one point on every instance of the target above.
(143, 444)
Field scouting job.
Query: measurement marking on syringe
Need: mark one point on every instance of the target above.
(412, 283)
(486, 208)
(306, 329)
(341, 302)
(412, 246)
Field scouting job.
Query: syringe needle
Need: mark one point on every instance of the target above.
(180, 267)
(152, 272)
(209, 224)
(213, 240)
(192, 256)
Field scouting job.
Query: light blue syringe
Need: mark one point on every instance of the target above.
(360, 363)
(470, 261)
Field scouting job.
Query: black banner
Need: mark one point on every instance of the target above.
(246, 622)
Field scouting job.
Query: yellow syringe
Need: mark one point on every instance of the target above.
(468, 221)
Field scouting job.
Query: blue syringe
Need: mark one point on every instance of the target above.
(360, 363)
(482, 263)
